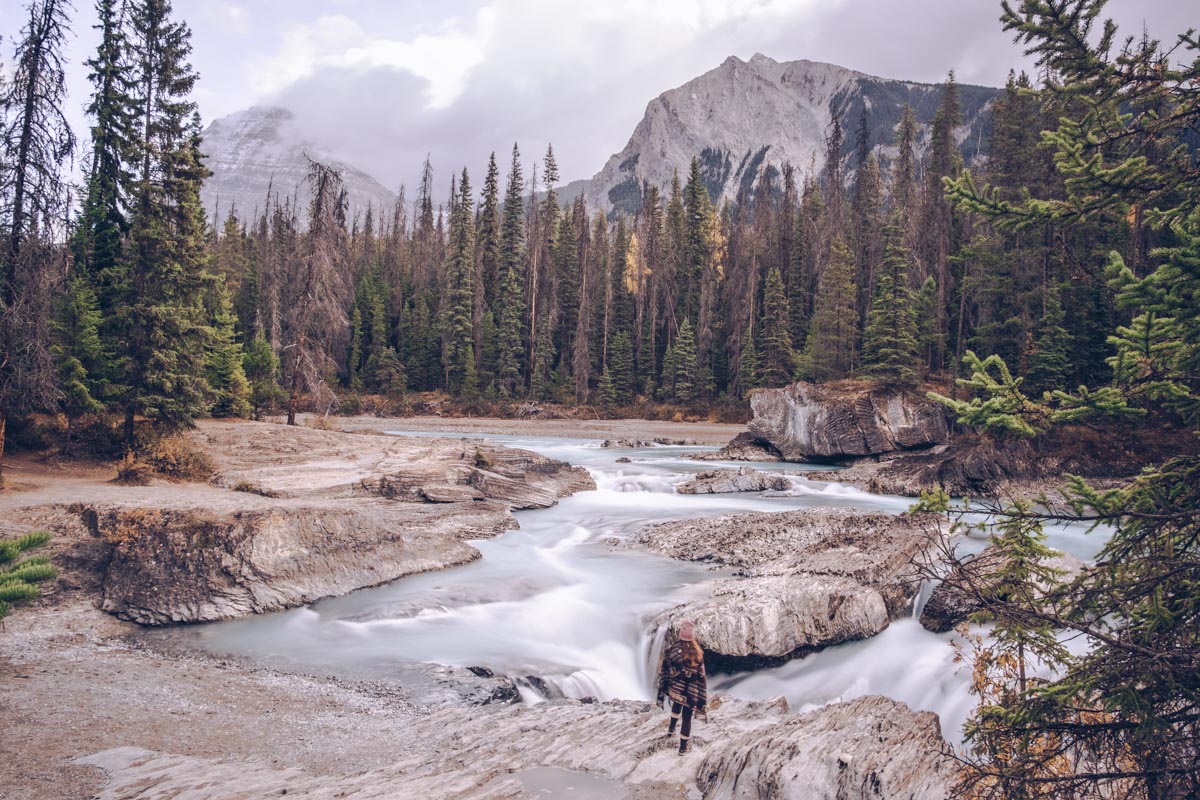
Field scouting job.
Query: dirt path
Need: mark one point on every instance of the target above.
(708, 433)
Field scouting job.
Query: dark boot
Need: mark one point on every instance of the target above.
(683, 745)
(671, 727)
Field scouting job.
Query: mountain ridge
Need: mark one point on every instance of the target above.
(742, 118)
(260, 150)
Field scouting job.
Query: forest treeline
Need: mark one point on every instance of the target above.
(862, 267)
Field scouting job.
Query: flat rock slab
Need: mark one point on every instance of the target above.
(298, 514)
(807, 578)
(871, 747)
(194, 565)
(293, 461)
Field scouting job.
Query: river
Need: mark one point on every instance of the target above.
(564, 599)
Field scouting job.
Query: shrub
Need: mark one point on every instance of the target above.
(177, 457)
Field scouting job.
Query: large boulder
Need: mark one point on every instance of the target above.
(807, 421)
(725, 481)
(805, 579)
(869, 748)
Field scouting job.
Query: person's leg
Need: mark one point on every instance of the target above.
(675, 709)
(685, 731)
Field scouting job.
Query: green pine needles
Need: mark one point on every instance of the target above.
(19, 579)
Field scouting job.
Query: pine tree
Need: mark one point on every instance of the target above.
(620, 363)
(159, 317)
(511, 302)
(387, 373)
(460, 333)
(224, 367)
(688, 383)
(1050, 363)
(261, 367)
(35, 143)
(748, 364)
(937, 221)
(778, 357)
(83, 365)
(829, 350)
(488, 228)
(607, 389)
(928, 338)
(103, 224)
(890, 349)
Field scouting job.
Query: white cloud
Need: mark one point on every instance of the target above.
(443, 60)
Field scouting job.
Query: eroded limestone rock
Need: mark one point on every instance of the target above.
(871, 747)
(807, 578)
(723, 481)
(806, 421)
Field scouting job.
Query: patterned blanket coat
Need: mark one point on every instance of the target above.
(680, 683)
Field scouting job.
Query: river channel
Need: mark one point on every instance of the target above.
(564, 599)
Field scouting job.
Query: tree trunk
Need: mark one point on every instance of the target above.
(3, 430)
(129, 428)
(294, 396)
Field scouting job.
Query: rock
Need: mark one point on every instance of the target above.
(968, 468)
(871, 747)
(630, 444)
(303, 462)
(191, 564)
(950, 603)
(329, 513)
(809, 578)
(867, 748)
(624, 460)
(806, 421)
(449, 494)
(743, 447)
(722, 481)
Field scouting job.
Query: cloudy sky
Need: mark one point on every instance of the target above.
(381, 83)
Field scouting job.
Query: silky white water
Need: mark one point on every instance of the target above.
(563, 599)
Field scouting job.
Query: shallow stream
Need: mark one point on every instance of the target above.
(562, 599)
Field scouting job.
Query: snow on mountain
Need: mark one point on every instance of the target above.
(260, 149)
(745, 117)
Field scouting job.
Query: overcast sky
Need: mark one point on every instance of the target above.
(382, 82)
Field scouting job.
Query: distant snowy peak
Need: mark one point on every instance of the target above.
(261, 149)
(745, 117)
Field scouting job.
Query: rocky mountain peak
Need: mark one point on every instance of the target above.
(745, 118)
(262, 149)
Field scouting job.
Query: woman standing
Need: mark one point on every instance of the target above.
(682, 679)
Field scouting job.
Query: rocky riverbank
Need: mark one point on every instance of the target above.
(95, 710)
(294, 515)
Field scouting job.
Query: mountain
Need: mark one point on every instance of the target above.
(260, 149)
(745, 117)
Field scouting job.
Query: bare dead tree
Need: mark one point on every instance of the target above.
(35, 142)
(316, 290)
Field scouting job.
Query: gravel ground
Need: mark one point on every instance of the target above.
(708, 433)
